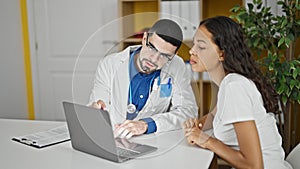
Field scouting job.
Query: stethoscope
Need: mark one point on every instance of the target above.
(131, 108)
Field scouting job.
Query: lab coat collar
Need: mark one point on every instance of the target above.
(126, 53)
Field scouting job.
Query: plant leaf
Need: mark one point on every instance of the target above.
(295, 73)
(284, 99)
(250, 6)
(280, 42)
(293, 83)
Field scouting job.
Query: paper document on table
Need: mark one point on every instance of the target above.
(45, 138)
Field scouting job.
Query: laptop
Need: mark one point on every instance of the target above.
(91, 132)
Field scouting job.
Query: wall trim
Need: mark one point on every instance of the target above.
(27, 62)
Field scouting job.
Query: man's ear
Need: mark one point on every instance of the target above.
(144, 38)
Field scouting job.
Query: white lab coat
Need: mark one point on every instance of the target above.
(111, 85)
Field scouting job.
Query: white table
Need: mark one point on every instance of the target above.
(173, 151)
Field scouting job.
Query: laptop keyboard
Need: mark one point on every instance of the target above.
(126, 152)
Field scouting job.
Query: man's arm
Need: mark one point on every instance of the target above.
(101, 89)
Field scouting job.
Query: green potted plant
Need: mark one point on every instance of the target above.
(273, 41)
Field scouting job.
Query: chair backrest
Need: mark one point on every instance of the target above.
(294, 157)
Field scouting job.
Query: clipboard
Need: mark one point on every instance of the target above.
(45, 138)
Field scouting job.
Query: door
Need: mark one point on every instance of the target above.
(69, 38)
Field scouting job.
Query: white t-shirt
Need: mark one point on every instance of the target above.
(240, 100)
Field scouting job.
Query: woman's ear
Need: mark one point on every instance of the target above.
(221, 56)
(221, 59)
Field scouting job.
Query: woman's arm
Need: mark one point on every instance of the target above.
(207, 119)
(249, 155)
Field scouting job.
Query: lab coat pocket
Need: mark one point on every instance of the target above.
(165, 90)
(156, 103)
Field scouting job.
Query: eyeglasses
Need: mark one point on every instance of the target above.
(153, 49)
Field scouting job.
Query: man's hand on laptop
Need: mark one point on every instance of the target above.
(130, 128)
(99, 105)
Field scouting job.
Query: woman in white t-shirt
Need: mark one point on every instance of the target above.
(245, 134)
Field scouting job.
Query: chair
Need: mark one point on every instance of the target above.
(294, 157)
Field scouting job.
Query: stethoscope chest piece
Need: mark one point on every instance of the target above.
(131, 108)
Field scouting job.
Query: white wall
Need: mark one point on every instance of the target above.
(275, 9)
(13, 98)
(13, 94)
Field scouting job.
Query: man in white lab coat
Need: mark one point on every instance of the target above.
(146, 88)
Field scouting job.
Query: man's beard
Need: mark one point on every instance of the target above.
(145, 68)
